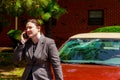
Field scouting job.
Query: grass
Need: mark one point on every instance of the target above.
(10, 73)
(18, 71)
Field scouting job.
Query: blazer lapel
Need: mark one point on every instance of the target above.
(30, 51)
(40, 46)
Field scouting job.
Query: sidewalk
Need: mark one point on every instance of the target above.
(6, 49)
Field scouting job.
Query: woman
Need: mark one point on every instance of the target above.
(40, 52)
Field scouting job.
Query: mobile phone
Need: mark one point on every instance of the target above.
(25, 36)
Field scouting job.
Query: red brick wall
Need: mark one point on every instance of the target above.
(4, 40)
(76, 19)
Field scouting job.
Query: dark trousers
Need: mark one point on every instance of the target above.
(30, 76)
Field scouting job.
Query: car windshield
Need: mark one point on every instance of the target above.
(93, 51)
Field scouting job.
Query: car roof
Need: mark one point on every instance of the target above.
(97, 35)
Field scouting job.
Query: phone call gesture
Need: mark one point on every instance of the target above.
(24, 37)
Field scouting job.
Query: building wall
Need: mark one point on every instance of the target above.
(4, 39)
(76, 19)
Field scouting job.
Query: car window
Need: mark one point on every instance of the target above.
(99, 51)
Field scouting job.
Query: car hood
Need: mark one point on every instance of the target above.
(90, 72)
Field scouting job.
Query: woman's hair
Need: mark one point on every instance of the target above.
(36, 22)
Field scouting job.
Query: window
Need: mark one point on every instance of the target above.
(91, 50)
(95, 17)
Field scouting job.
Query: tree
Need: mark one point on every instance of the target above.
(14, 8)
(46, 10)
(3, 16)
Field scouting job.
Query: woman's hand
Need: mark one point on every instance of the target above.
(24, 37)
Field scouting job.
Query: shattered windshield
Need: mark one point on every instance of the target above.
(98, 51)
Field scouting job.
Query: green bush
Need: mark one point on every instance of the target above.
(108, 29)
(6, 59)
(14, 35)
(12, 70)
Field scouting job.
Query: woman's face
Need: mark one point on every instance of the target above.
(32, 30)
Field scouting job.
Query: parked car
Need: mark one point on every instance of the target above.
(91, 56)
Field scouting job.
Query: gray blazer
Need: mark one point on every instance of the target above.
(45, 56)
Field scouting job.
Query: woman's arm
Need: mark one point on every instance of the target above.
(18, 52)
(55, 60)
